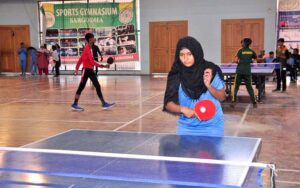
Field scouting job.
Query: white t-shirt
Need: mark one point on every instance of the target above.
(55, 55)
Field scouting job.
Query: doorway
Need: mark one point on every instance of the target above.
(11, 37)
(163, 39)
(233, 31)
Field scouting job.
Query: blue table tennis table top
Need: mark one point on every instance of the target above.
(54, 170)
(256, 68)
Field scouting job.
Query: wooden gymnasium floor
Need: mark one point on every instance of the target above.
(35, 108)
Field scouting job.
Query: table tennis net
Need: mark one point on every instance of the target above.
(255, 65)
(76, 167)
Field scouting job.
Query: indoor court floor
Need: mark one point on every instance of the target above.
(36, 108)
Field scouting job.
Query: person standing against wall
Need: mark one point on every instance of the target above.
(22, 52)
(56, 59)
(33, 65)
(42, 59)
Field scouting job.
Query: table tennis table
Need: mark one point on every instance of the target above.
(259, 72)
(29, 168)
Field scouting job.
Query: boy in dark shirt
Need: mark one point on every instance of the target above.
(281, 53)
(245, 56)
(96, 52)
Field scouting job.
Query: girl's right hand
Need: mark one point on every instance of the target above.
(187, 112)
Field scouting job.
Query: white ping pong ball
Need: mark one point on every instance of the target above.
(202, 109)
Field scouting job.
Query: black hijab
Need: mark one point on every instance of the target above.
(191, 78)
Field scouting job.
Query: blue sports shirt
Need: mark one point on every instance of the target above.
(194, 126)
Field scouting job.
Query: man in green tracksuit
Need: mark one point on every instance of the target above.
(245, 56)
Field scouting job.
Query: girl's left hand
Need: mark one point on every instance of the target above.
(207, 77)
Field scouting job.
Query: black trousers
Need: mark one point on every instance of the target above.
(281, 77)
(89, 73)
(248, 82)
(57, 65)
(293, 71)
(96, 68)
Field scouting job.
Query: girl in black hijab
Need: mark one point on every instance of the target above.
(191, 79)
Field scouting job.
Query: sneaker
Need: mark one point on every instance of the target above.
(275, 90)
(107, 105)
(75, 107)
(254, 105)
(232, 104)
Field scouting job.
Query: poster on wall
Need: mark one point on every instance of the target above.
(289, 20)
(114, 26)
(289, 23)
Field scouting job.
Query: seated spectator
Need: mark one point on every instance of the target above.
(270, 58)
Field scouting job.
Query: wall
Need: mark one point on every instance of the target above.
(204, 17)
(21, 12)
(204, 20)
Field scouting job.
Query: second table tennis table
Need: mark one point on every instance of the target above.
(259, 72)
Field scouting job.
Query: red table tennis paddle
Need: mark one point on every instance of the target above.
(205, 109)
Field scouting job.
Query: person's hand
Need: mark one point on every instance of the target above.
(235, 60)
(207, 77)
(107, 66)
(75, 72)
(187, 112)
(101, 58)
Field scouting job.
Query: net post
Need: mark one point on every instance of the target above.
(272, 174)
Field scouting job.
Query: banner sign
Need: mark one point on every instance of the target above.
(113, 24)
(289, 22)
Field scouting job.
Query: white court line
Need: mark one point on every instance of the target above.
(288, 182)
(35, 142)
(66, 121)
(289, 170)
(148, 98)
(12, 102)
(137, 156)
(22, 87)
(56, 89)
(242, 120)
(81, 102)
(141, 116)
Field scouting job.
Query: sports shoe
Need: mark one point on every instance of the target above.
(255, 105)
(232, 104)
(275, 90)
(75, 107)
(107, 105)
